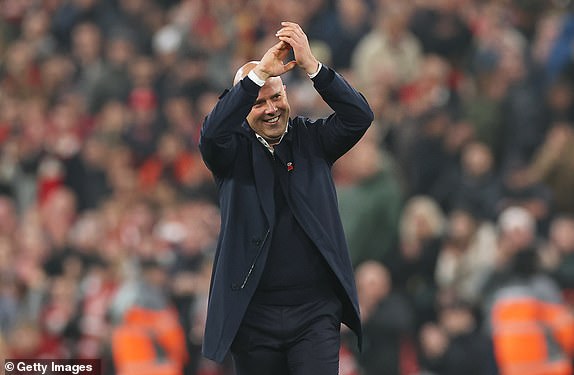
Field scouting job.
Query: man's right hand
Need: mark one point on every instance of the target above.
(271, 64)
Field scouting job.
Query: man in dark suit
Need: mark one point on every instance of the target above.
(282, 281)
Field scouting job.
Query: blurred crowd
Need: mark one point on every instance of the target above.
(458, 204)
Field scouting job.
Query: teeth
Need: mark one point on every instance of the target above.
(273, 120)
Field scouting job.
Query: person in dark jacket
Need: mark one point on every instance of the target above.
(282, 281)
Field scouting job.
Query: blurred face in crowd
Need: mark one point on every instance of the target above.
(119, 51)
(562, 234)
(477, 159)
(461, 225)
(362, 161)
(18, 58)
(270, 113)
(142, 72)
(373, 282)
(456, 320)
(86, 42)
(36, 25)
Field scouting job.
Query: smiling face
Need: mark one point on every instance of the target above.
(270, 112)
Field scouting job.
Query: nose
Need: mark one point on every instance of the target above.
(271, 108)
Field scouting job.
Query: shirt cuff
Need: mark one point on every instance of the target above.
(255, 78)
(313, 75)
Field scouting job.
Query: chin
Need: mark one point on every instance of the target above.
(273, 136)
(275, 132)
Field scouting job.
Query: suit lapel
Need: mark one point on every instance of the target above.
(283, 150)
(263, 172)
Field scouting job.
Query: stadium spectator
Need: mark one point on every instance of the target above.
(370, 199)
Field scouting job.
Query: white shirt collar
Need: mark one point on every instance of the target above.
(267, 145)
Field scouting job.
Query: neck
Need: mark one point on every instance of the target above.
(273, 141)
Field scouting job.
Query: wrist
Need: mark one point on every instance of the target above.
(260, 73)
(312, 67)
(255, 78)
(317, 70)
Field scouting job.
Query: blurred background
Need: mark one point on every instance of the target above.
(458, 204)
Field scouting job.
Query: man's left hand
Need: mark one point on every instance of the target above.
(292, 34)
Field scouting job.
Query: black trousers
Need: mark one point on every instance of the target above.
(289, 340)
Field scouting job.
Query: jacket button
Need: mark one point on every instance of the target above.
(234, 286)
(256, 241)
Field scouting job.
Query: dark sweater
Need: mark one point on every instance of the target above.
(295, 271)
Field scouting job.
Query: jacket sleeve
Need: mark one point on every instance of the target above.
(353, 115)
(220, 129)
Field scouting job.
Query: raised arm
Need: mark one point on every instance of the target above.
(352, 116)
(218, 140)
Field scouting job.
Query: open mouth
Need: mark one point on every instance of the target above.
(272, 120)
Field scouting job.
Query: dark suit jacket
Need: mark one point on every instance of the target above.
(244, 177)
